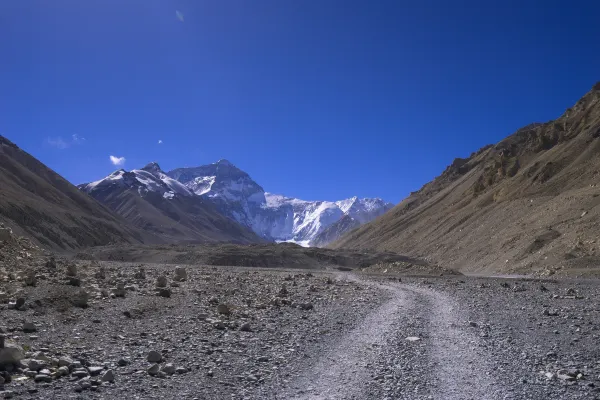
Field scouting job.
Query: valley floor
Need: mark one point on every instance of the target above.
(244, 333)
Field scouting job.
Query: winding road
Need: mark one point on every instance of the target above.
(417, 344)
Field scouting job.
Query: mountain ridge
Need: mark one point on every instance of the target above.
(237, 196)
(153, 201)
(38, 203)
(493, 211)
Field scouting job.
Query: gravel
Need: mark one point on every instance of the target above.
(237, 333)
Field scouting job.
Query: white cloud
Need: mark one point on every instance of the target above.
(159, 141)
(58, 142)
(62, 144)
(117, 160)
(77, 139)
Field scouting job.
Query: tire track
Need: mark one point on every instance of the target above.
(454, 365)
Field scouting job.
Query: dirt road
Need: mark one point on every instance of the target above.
(419, 344)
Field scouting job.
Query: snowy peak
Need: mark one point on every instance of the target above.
(148, 179)
(236, 195)
(311, 218)
(153, 168)
(221, 181)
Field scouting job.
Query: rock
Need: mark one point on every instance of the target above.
(164, 292)
(80, 299)
(218, 325)
(108, 376)
(11, 354)
(8, 394)
(5, 234)
(122, 362)
(43, 378)
(181, 370)
(180, 274)
(565, 375)
(36, 365)
(154, 356)
(101, 273)
(38, 355)
(223, 309)
(65, 362)
(246, 327)
(80, 373)
(306, 306)
(85, 383)
(168, 369)
(119, 291)
(30, 278)
(29, 327)
(140, 274)
(51, 263)
(153, 370)
(95, 370)
(413, 338)
(63, 371)
(74, 281)
(71, 270)
(20, 303)
(2, 380)
(161, 281)
(283, 292)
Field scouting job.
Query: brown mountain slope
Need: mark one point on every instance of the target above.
(38, 203)
(527, 204)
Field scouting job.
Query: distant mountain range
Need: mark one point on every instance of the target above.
(234, 194)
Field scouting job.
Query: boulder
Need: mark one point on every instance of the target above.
(71, 270)
(5, 234)
(161, 281)
(180, 274)
(154, 356)
(11, 354)
(80, 299)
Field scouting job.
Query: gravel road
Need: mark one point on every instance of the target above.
(246, 334)
(422, 343)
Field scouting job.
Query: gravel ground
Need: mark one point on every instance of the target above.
(243, 333)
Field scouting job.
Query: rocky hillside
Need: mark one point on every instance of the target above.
(152, 201)
(530, 203)
(38, 203)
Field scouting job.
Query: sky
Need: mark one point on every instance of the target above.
(321, 100)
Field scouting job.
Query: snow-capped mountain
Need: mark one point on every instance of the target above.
(148, 179)
(233, 193)
(153, 201)
(274, 217)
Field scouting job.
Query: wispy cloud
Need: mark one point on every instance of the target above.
(159, 141)
(58, 142)
(76, 139)
(117, 160)
(62, 144)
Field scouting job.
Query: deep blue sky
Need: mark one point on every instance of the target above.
(315, 99)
